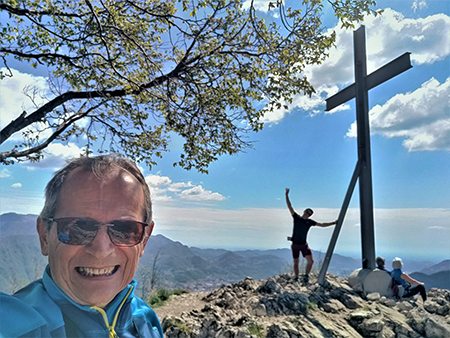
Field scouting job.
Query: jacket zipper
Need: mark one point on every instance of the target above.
(112, 332)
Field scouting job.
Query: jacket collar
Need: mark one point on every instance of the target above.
(69, 307)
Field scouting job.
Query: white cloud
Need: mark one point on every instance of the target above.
(391, 34)
(439, 227)
(179, 186)
(199, 193)
(16, 185)
(55, 156)
(418, 5)
(260, 5)
(163, 190)
(13, 100)
(421, 117)
(4, 173)
(155, 181)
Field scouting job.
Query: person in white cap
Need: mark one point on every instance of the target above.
(414, 287)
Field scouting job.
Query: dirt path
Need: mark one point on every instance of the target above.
(176, 305)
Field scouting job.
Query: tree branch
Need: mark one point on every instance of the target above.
(45, 55)
(25, 12)
(61, 128)
(24, 121)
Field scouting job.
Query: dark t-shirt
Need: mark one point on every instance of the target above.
(301, 228)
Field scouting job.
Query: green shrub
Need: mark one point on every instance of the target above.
(161, 296)
(256, 330)
(310, 306)
(176, 322)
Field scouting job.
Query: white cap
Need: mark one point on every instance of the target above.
(397, 263)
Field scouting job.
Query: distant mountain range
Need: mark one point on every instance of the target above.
(171, 264)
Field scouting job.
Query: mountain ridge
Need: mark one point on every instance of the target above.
(168, 263)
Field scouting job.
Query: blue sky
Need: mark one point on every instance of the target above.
(240, 203)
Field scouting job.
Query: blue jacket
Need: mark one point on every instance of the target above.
(42, 309)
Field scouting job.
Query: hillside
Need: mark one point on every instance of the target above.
(442, 266)
(440, 280)
(279, 308)
(20, 261)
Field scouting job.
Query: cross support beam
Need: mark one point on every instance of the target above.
(337, 228)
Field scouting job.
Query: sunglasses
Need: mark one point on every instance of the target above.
(82, 231)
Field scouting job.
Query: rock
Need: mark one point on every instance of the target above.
(351, 301)
(374, 296)
(248, 284)
(356, 318)
(292, 303)
(269, 287)
(387, 333)
(260, 310)
(390, 302)
(378, 281)
(358, 288)
(443, 310)
(366, 324)
(278, 308)
(372, 327)
(435, 329)
(333, 306)
(357, 276)
(431, 307)
(275, 331)
(404, 306)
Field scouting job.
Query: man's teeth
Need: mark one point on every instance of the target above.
(91, 272)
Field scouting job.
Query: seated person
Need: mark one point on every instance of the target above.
(403, 279)
(381, 264)
(94, 227)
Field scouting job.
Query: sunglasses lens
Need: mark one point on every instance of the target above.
(76, 231)
(126, 233)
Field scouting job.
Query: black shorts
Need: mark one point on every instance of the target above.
(303, 248)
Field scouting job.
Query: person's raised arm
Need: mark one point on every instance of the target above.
(288, 202)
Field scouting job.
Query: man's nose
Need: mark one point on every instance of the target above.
(101, 246)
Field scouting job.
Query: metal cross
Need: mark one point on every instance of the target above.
(363, 170)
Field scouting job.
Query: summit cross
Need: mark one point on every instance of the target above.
(363, 171)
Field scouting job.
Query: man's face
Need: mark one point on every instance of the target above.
(306, 214)
(95, 273)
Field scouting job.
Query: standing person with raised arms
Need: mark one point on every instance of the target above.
(302, 224)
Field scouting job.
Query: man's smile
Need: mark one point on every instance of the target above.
(95, 272)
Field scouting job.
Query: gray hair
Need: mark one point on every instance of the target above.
(99, 166)
(397, 263)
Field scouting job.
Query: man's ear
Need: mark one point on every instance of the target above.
(148, 232)
(43, 232)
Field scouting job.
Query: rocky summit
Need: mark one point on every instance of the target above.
(278, 307)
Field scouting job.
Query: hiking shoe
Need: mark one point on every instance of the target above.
(305, 279)
(296, 279)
